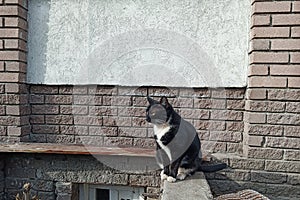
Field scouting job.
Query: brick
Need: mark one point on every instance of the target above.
(286, 143)
(15, 44)
(42, 89)
(228, 94)
(270, 32)
(181, 102)
(271, 7)
(8, 10)
(73, 110)
(259, 44)
(64, 139)
(12, 55)
(74, 130)
(296, 6)
(45, 129)
(265, 106)
(14, 131)
(225, 136)
(116, 101)
(130, 132)
(226, 115)
(13, 110)
(59, 99)
(293, 70)
(292, 155)
(103, 90)
(288, 19)
(279, 94)
(257, 118)
(256, 94)
(258, 70)
(103, 110)
(3, 131)
(256, 141)
(235, 104)
(292, 131)
(87, 120)
(13, 88)
(15, 66)
(235, 126)
(268, 82)
(103, 131)
(252, 164)
(9, 77)
(61, 119)
(2, 110)
(293, 179)
(295, 57)
(116, 121)
(209, 125)
(214, 146)
(293, 107)
(294, 82)
(117, 141)
(142, 180)
(1, 66)
(163, 91)
(265, 153)
(210, 103)
(37, 99)
(295, 32)
(131, 112)
(285, 44)
(37, 119)
(282, 166)
(260, 20)
(269, 57)
(285, 119)
(144, 143)
(268, 177)
(139, 122)
(15, 22)
(45, 109)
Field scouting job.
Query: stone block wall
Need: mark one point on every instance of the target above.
(56, 177)
(255, 128)
(14, 108)
(115, 116)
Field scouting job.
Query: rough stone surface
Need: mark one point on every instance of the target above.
(194, 187)
(173, 37)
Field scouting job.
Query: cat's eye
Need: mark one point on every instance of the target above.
(153, 114)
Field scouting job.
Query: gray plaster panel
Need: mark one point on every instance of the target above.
(182, 43)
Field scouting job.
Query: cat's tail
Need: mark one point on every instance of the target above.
(212, 168)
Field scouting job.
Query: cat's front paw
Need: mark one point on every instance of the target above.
(171, 179)
(181, 176)
(163, 176)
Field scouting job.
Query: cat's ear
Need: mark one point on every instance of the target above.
(164, 101)
(151, 101)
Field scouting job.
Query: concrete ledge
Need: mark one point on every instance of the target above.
(194, 187)
(51, 148)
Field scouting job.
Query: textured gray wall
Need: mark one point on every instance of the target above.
(185, 43)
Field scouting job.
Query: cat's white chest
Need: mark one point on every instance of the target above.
(160, 131)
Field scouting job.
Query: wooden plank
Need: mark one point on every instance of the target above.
(50, 148)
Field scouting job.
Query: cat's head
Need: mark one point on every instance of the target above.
(158, 112)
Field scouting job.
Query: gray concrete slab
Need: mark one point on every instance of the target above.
(193, 188)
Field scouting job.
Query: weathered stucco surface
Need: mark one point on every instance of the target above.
(185, 43)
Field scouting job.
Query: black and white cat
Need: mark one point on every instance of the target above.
(178, 150)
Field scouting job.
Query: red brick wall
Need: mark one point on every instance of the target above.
(115, 116)
(14, 108)
(260, 123)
